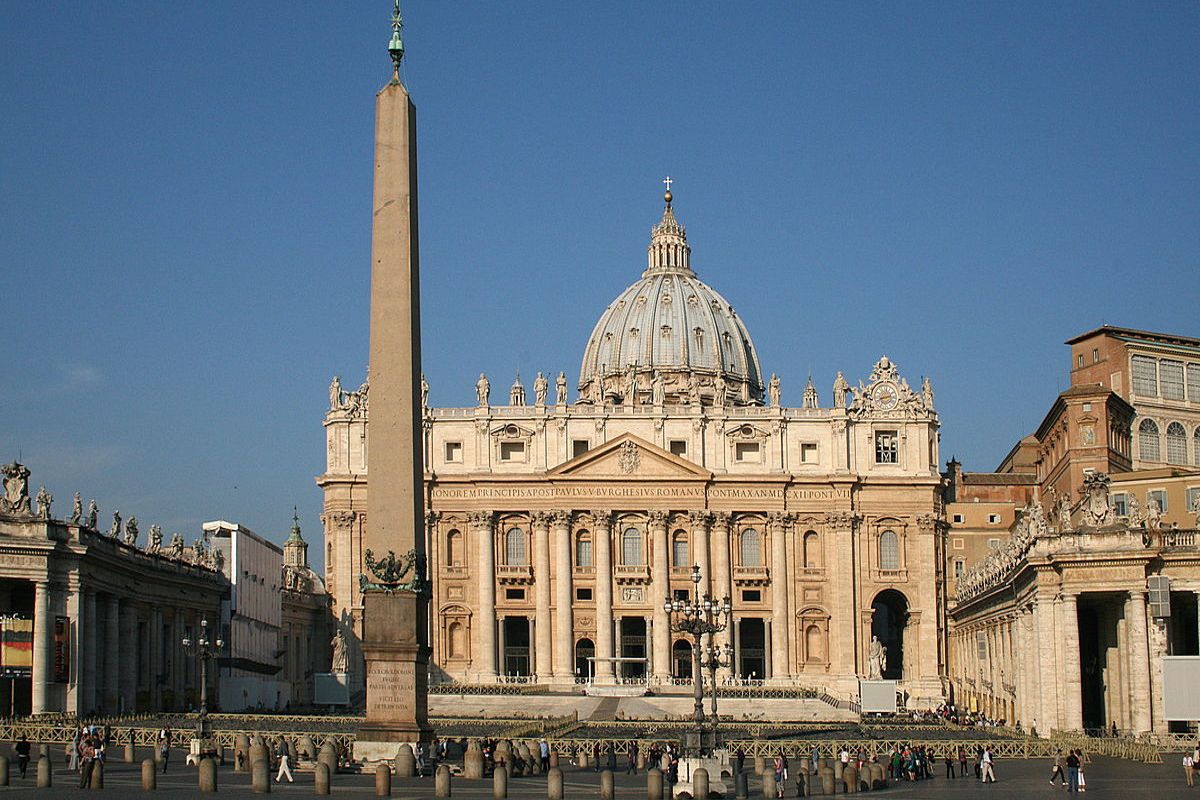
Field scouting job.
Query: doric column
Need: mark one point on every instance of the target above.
(1158, 649)
(112, 652)
(485, 628)
(543, 632)
(780, 667)
(721, 583)
(700, 521)
(1047, 659)
(660, 571)
(128, 679)
(1072, 684)
(43, 638)
(604, 596)
(1139, 661)
(564, 617)
(156, 664)
(87, 669)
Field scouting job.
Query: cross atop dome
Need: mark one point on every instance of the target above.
(669, 250)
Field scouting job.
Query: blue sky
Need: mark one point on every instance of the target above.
(185, 198)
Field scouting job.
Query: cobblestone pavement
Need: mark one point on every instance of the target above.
(1016, 779)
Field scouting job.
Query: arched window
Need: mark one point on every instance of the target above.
(889, 550)
(812, 550)
(454, 549)
(583, 549)
(751, 548)
(679, 549)
(1149, 448)
(1176, 444)
(631, 547)
(514, 547)
(1196, 446)
(814, 644)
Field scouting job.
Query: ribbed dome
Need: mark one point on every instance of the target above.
(673, 325)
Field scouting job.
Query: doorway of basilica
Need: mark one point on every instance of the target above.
(752, 647)
(888, 620)
(516, 646)
(633, 645)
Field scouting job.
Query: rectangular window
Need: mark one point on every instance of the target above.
(1157, 496)
(1120, 504)
(679, 556)
(981, 644)
(1145, 376)
(678, 447)
(514, 594)
(886, 451)
(1171, 376)
(808, 453)
(512, 451)
(1193, 382)
(751, 595)
(1095, 355)
(583, 593)
(453, 452)
(583, 553)
(993, 519)
(1193, 498)
(681, 594)
(960, 566)
(1079, 361)
(579, 447)
(993, 544)
(746, 451)
(958, 518)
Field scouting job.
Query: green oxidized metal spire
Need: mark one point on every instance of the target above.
(295, 534)
(396, 45)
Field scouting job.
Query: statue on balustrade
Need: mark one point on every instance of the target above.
(77, 510)
(44, 499)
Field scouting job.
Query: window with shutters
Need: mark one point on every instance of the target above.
(1170, 376)
(1193, 498)
(889, 551)
(514, 547)
(583, 549)
(751, 546)
(1145, 376)
(679, 550)
(631, 548)
(1159, 498)
(1177, 444)
(1196, 447)
(1149, 447)
(1193, 382)
(886, 449)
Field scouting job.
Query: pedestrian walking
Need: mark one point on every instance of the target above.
(779, 780)
(949, 759)
(989, 775)
(285, 771)
(962, 762)
(87, 761)
(23, 755)
(544, 755)
(1082, 779)
(631, 759)
(1189, 769)
(1056, 770)
(1072, 772)
(164, 749)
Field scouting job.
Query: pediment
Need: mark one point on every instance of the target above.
(629, 457)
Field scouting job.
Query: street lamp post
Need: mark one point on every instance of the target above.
(700, 616)
(203, 648)
(715, 658)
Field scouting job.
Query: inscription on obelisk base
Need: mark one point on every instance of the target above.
(397, 676)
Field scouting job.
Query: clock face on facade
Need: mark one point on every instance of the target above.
(885, 396)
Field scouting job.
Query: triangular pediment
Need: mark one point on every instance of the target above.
(629, 457)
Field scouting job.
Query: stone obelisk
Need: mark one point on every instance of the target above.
(395, 623)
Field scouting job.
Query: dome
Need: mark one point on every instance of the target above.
(670, 329)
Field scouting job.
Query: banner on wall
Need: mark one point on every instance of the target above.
(16, 647)
(62, 649)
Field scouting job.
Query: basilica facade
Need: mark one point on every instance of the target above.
(557, 526)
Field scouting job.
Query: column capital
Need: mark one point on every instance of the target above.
(431, 518)
(721, 519)
(657, 519)
(480, 519)
(561, 518)
(540, 520)
(700, 517)
(602, 517)
(779, 519)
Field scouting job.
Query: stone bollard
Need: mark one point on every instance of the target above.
(97, 775)
(606, 785)
(641, 759)
(583, 759)
(307, 748)
(554, 784)
(827, 781)
(741, 786)
(328, 757)
(553, 758)
(441, 781)
(654, 784)
(383, 778)
(768, 784)
(44, 781)
(759, 765)
(43, 750)
(208, 775)
(149, 775)
(258, 752)
(473, 761)
(3, 771)
(130, 753)
(850, 778)
(838, 766)
(406, 762)
(500, 782)
(321, 778)
(699, 784)
(878, 777)
(260, 776)
(803, 783)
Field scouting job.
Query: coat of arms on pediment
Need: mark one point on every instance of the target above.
(629, 456)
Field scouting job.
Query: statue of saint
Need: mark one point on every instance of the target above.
(541, 388)
(155, 539)
(773, 394)
(339, 661)
(424, 391)
(115, 530)
(1153, 516)
(876, 659)
(131, 531)
(840, 387)
(631, 386)
(92, 515)
(77, 510)
(694, 388)
(44, 499)
(720, 393)
(483, 389)
(218, 560)
(1064, 513)
(927, 393)
(1196, 511)
(335, 393)
(560, 389)
(176, 552)
(658, 389)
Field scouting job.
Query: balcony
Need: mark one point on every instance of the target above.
(514, 574)
(584, 572)
(889, 575)
(632, 574)
(750, 576)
